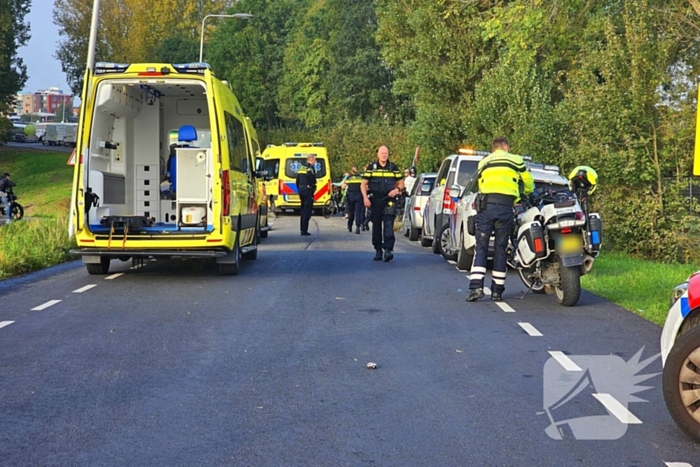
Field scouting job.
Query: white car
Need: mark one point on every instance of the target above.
(455, 169)
(459, 244)
(680, 355)
(413, 214)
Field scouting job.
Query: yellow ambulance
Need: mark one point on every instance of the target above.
(283, 162)
(260, 193)
(164, 168)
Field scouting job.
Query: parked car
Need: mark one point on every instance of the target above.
(458, 244)
(680, 355)
(413, 214)
(455, 169)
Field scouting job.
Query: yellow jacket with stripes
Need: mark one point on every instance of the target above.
(500, 172)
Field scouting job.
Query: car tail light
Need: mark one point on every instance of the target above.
(416, 208)
(226, 193)
(565, 231)
(280, 184)
(447, 203)
(579, 216)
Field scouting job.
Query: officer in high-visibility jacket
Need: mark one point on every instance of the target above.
(306, 184)
(499, 175)
(355, 207)
(384, 182)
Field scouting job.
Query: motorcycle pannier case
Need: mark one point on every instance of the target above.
(531, 245)
(595, 234)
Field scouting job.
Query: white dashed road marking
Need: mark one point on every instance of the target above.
(5, 323)
(530, 329)
(451, 262)
(114, 276)
(677, 464)
(46, 305)
(618, 410)
(505, 307)
(85, 289)
(565, 361)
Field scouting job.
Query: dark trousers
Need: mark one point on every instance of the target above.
(355, 209)
(498, 219)
(307, 206)
(382, 226)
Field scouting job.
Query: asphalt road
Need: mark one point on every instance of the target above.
(173, 365)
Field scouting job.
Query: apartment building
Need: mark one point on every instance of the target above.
(43, 101)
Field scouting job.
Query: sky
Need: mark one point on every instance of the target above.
(43, 68)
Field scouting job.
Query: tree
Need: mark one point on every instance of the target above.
(130, 31)
(14, 33)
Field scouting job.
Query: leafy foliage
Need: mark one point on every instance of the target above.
(14, 33)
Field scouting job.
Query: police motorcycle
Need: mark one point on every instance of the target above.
(16, 209)
(556, 239)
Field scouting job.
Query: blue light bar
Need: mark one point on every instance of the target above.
(108, 67)
(196, 67)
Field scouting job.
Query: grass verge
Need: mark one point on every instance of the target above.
(43, 180)
(29, 245)
(641, 286)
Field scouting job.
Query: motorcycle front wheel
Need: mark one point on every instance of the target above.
(17, 212)
(569, 292)
(528, 280)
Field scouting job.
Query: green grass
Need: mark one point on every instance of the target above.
(43, 180)
(43, 187)
(641, 286)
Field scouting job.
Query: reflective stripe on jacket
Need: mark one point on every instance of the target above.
(500, 172)
(382, 180)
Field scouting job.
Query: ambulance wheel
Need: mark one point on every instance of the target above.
(681, 383)
(99, 268)
(231, 269)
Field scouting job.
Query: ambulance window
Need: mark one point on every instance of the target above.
(292, 167)
(272, 165)
(238, 154)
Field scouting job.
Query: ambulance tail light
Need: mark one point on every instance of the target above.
(226, 193)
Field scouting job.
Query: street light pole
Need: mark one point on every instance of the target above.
(201, 40)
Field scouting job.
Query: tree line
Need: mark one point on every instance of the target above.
(607, 83)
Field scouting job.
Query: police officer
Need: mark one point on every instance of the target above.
(499, 175)
(355, 207)
(306, 184)
(383, 180)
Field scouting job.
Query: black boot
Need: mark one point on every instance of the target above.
(378, 255)
(475, 294)
(388, 256)
(357, 229)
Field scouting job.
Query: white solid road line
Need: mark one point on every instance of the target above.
(114, 276)
(46, 305)
(5, 323)
(618, 410)
(451, 262)
(677, 464)
(565, 361)
(530, 329)
(505, 307)
(85, 289)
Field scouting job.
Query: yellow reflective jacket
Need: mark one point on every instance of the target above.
(500, 172)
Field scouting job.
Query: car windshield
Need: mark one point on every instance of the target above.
(272, 166)
(426, 186)
(466, 170)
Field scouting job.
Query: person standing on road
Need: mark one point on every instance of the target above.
(382, 181)
(409, 179)
(499, 175)
(355, 208)
(6, 184)
(306, 184)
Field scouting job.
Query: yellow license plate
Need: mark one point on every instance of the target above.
(570, 244)
(292, 198)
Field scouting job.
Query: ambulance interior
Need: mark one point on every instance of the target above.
(149, 158)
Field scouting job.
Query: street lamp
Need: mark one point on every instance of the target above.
(201, 41)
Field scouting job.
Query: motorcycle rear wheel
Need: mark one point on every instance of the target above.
(569, 292)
